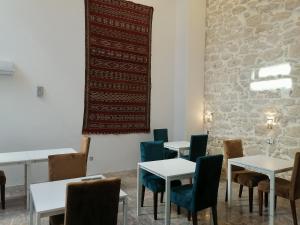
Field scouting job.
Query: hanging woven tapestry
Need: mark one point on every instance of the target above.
(118, 67)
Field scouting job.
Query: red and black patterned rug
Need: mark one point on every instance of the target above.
(118, 67)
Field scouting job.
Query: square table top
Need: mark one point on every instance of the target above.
(169, 167)
(176, 145)
(265, 163)
(51, 196)
(35, 155)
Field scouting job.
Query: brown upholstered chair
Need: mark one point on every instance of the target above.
(85, 146)
(65, 166)
(234, 149)
(2, 187)
(283, 188)
(93, 202)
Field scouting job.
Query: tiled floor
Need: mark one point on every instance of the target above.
(15, 213)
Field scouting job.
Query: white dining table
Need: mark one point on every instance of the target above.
(264, 165)
(178, 146)
(49, 198)
(27, 158)
(170, 169)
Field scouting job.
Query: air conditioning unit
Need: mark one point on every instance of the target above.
(6, 68)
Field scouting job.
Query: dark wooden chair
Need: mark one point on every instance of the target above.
(93, 202)
(65, 166)
(2, 187)
(283, 188)
(234, 149)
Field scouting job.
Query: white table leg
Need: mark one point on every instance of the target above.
(37, 219)
(271, 199)
(139, 190)
(125, 207)
(25, 179)
(31, 212)
(27, 183)
(167, 204)
(229, 183)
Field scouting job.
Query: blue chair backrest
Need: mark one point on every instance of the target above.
(206, 182)
(151, 151)
(198, 146)
(160, 135)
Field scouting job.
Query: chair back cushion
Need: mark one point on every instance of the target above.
(232, 149)
(295, 180)
(198, 146)
(93, 202)
(206, 182)
(151, 151)
(160, 135)
(66, 166)
(85, 146)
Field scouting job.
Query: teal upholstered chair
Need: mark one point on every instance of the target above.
(162, 135)
(197, 147)
(152, 151)
(203, 193)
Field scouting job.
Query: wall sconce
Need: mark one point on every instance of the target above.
(208, 117)
(6, 68)
(270, 122)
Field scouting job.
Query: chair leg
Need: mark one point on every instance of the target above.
(155, 198)
(250, 200)
(293, 208)
(178, 210)
(189, 216)
(226, 193)
(241, 191)
(260, 201)
(214, 214)
(143, 195)
(275, 203)
(266, 199)
(3, 196)
(161, 197)
(194, 216)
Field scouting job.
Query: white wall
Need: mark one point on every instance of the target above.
(189, 64)
(45, 40)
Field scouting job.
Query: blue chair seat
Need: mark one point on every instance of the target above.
(157, 184)
(182, 196)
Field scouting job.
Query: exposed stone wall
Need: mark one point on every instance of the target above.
(243, 36)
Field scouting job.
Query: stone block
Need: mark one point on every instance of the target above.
(293, 131)
(294, 50)
(253, 21)
(238, 10)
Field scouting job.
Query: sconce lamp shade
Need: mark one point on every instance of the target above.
(6, 68)
(270, 122)
(208, 117)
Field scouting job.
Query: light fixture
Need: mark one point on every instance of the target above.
(6, 68)
(275, 70)
(270, 122)
(271, 84)
(208, 117)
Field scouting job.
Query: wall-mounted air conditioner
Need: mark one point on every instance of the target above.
(6, 68)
